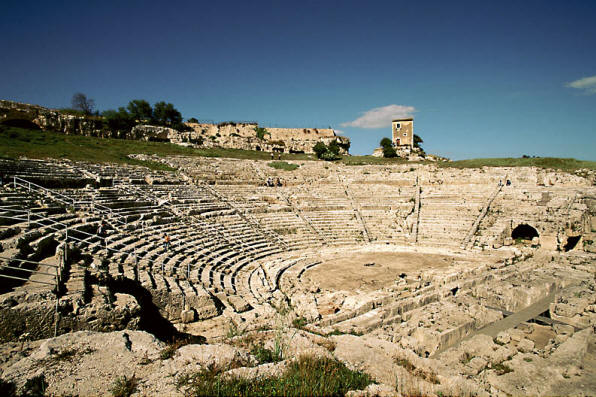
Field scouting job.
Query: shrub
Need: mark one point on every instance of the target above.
(329, 156)
(261, 132)
(333, 147)
(389, 152)
(319, 149)
(386, 142)
(193, 120)
(124, 387)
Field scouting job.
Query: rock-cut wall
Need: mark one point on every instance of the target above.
(244, 136)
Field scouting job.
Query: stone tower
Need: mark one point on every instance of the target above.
(403, 132)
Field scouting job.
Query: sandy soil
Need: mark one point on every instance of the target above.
(347, 271)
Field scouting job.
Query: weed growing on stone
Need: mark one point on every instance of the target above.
(124, 386)
(306, 376)
(502, 369)
(283, 165)
(169, 351)
(264, 355)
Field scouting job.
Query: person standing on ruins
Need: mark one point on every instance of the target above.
(166, 241)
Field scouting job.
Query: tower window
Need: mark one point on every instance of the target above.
(397, 126)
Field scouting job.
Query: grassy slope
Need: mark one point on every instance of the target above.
(17, 142)
(541, 162)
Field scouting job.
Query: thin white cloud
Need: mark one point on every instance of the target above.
(587, 84)
(380, 117)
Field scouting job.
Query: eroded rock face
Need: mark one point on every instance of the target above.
(35, 314)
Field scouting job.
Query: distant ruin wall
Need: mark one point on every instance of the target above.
(226, 135)
(244, 136)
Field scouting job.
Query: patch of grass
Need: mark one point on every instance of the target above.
(411, 368)
(306, 376)
(264, 355)
(282, 165)
(124, 387)
(371, 160)
(18, 142)
(338, 332)
(502, 369)
(169, 351)
(564, 164)
(528, 359)
(299, 322)
(284, 232)
(233, 331)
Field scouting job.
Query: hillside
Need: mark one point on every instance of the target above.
(18, 142)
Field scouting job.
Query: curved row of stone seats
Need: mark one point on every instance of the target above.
(121, 172)
(387, 226)
(336, 227)
(187, 199)
(214, 254)
(170, 294)
(448, 213)
(385, 210)
(249, 197)
(290, 227)
(38, 170)
(327, 196)
(291, 268)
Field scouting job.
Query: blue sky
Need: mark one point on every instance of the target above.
(481, 78)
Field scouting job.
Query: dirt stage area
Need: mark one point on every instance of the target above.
(371, 270)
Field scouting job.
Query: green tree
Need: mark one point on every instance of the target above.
(386, 142)
(417, 141)
(261, 132)
(118, 120)
(166, 114)
(389, 152)
(319, 149)
(333, 147)
(193, 120)
(81, 103)
(140, 110)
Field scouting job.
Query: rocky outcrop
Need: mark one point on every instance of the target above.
(227, 135)
(55, 120)
(155, 133)
(244, 136)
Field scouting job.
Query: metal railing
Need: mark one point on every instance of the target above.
(38, 219)
(66, 200)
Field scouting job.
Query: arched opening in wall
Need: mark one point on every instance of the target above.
(571, 243)
(524, 232)
(258, 148)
